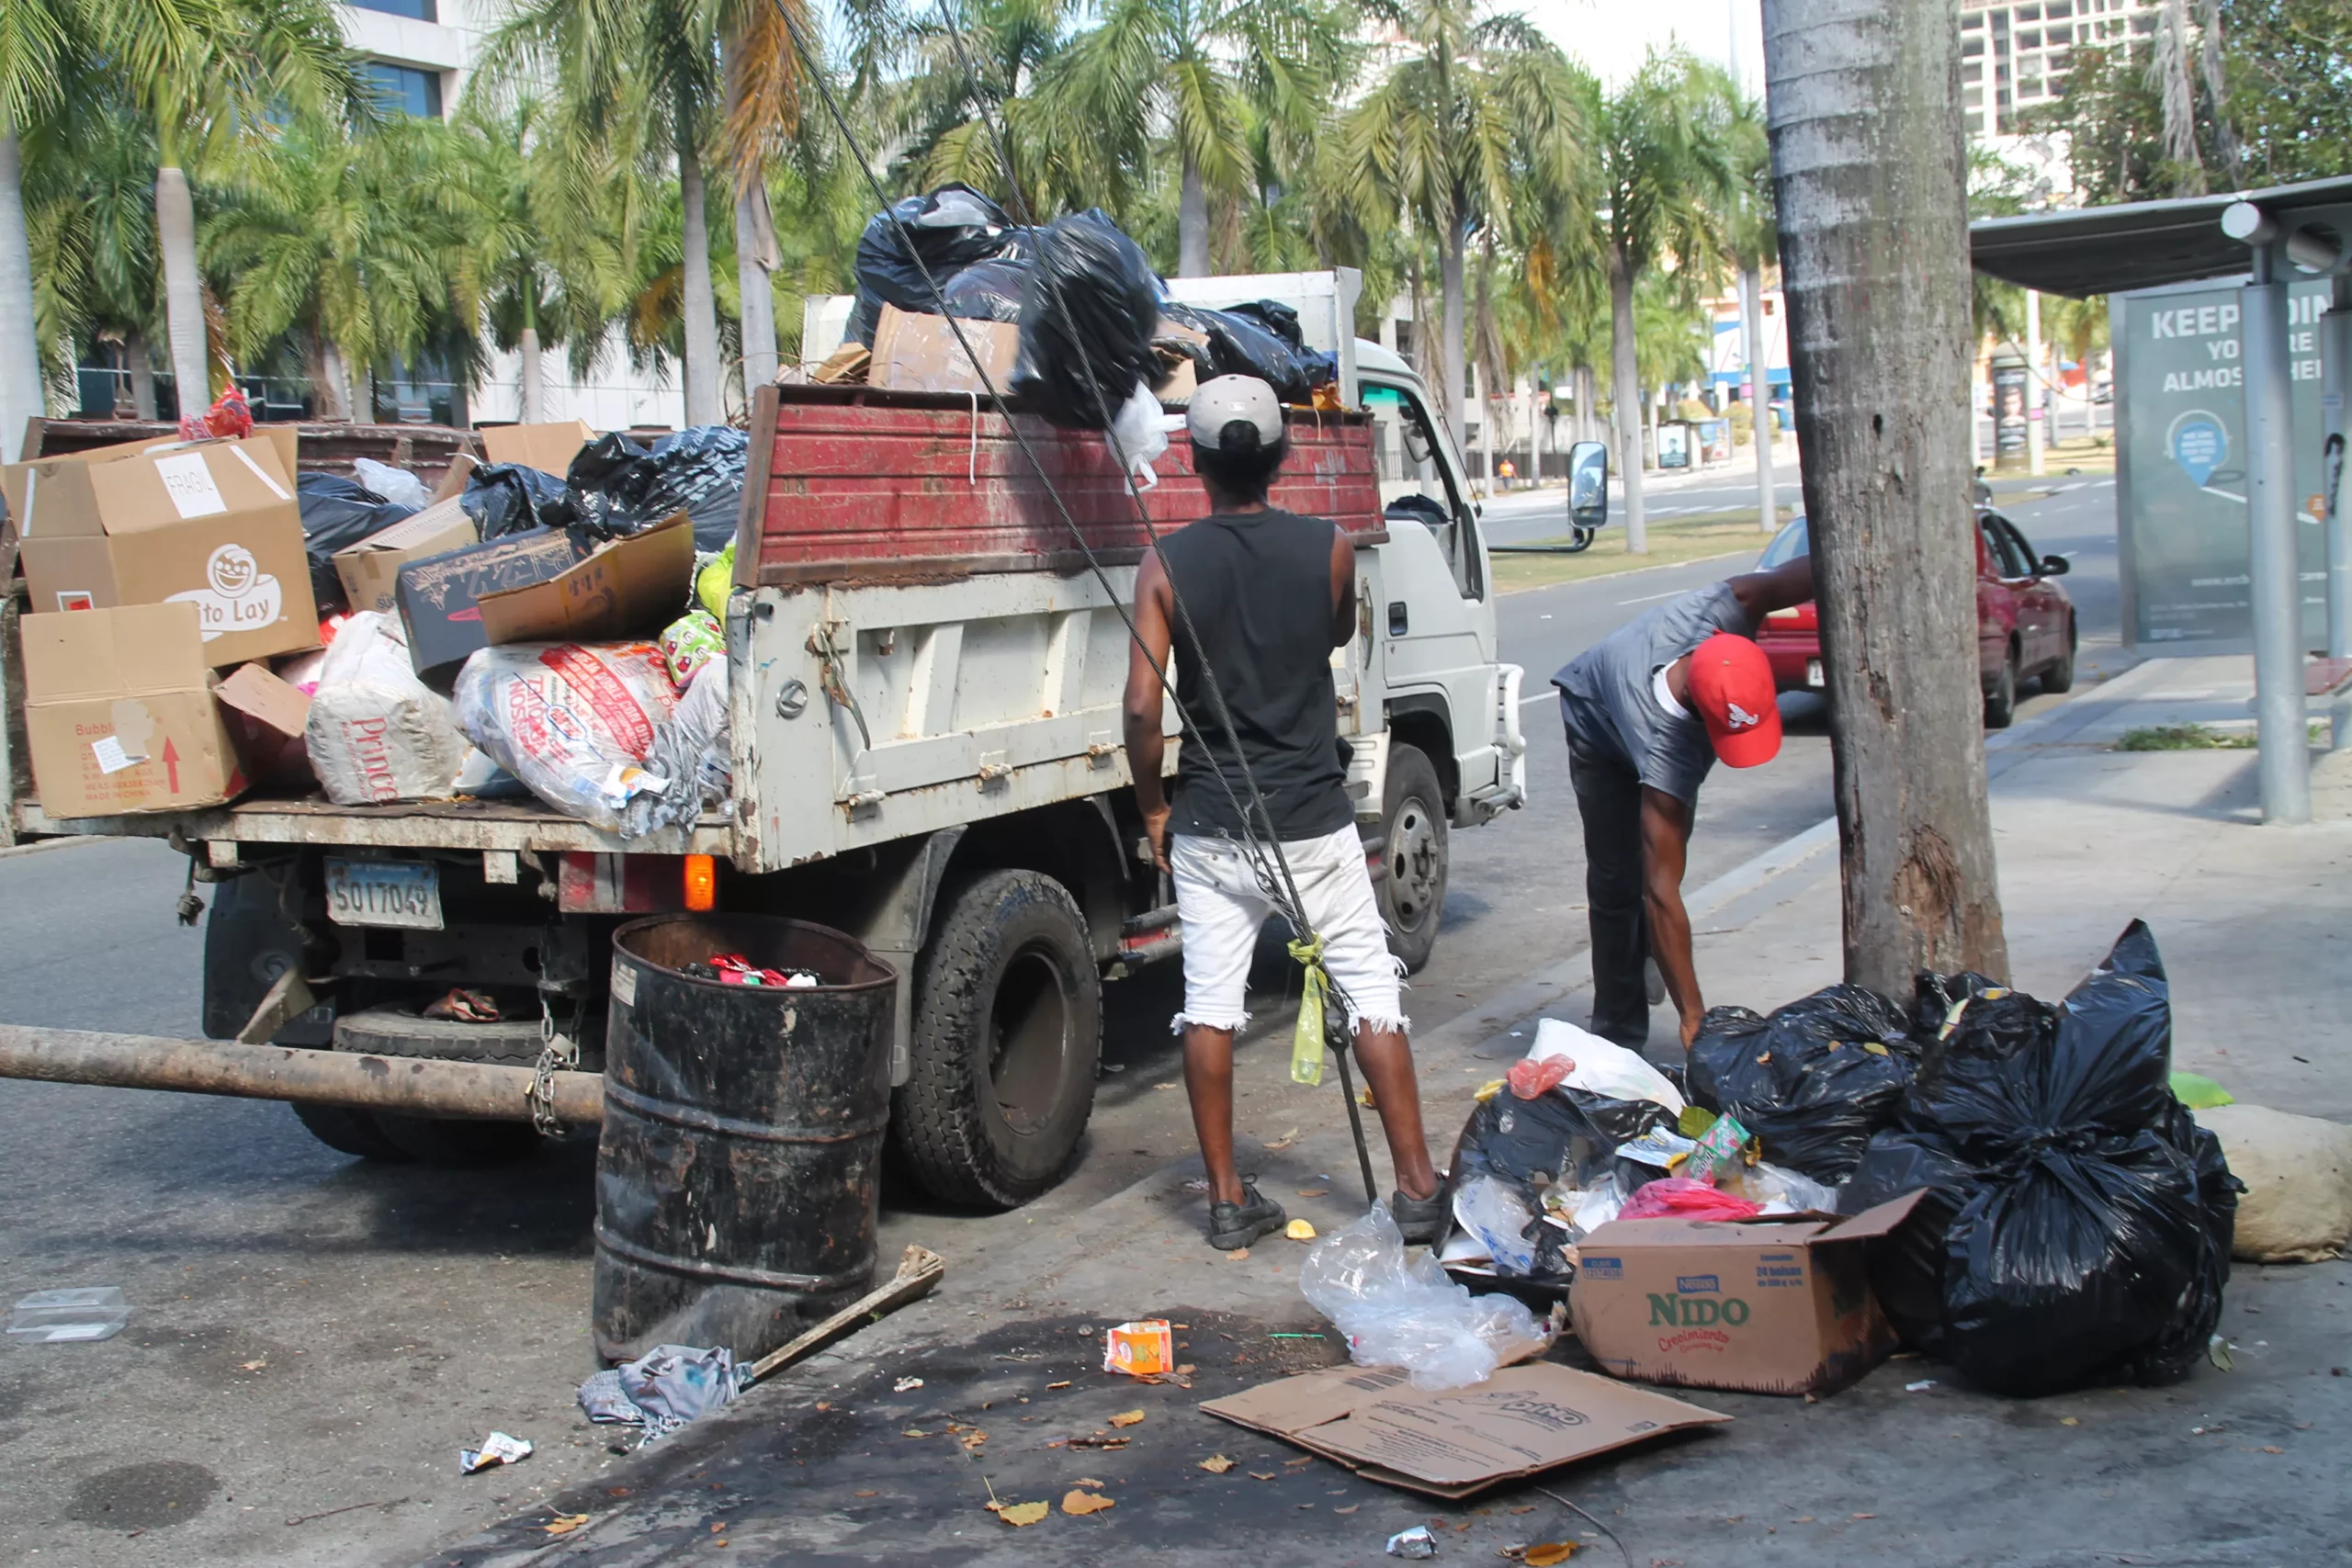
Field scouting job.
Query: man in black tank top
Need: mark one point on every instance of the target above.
(1268, 594)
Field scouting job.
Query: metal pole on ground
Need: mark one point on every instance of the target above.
(2285, 744)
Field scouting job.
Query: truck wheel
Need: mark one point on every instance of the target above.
(457, 1143)
(349, 1131)
(1007, 1031)
(1413, 851)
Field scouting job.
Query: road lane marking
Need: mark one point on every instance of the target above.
(1647, 598)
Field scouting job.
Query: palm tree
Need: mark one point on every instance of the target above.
(1204, 71)
(90, 194)
(1479, 113)
(1667, 177)
(351, 243)
(1755, 243)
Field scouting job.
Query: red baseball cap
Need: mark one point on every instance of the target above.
(1732, 687)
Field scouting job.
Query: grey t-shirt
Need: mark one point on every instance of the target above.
(1608, 698)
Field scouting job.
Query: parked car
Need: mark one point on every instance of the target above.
(2025, 622)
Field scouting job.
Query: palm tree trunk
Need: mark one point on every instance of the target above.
(703, 404)
(758, 294)
(141, 362)
(21, 385)
(1870, 166)
(1451, 395)
(535, 397)
(1193, 223)
(1759, 407)
(183, 291)
(332, 380)
(1626, 399)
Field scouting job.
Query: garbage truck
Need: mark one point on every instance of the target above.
(926, 687)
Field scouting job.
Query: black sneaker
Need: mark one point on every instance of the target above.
(1233, 1225)
(1420, 1219)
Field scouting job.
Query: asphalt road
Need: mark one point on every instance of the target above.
(310, 1333)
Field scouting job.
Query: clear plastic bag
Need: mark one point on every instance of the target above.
(1407, 1314)
(1499, 1219)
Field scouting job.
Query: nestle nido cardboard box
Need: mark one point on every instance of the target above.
(213, 524)
(918, 353)
(546, 447)
(371, 569)
(1775, 1307)
(440, 597)
(119, 713)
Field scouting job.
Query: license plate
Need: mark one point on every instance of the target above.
(1813, 673)
(384, 892)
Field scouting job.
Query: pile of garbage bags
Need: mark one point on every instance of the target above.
(615, 486)
(2078, 1221)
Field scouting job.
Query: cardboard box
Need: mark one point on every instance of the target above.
(633, 587)
(918, 353)
(453, 483)
(439, 596)
(1775, 1307)
(546, 447)
(371, 569)
(18, 480)
(1453, 1442)
(214, 525)
(119, 715)
(267, 717)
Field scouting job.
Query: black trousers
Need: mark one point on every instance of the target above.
(1609, 798)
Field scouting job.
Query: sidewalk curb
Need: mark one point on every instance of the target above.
(38, 846)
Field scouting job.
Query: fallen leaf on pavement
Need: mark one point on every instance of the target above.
(1237, 1253)
(1185, 1371)
(1019, 1514)
(1285, 1141)
(1363, 1098)
(1084, 1503)
(1549, 1552)
(1528, 1508)
(2268, 1449)
(1089, 1481)
(1216, 1464)
(1349, 1509)
(1126, 1418)
(1315, 1192)
(565, 1523)
(1051, 1386)
(1299, 1230)
(1294, 1464)
(1865, 1516)
(866, 1493)
(2070, 1421)
(1263, 1475)
(254, 1366)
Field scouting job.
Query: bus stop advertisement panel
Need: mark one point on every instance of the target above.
(2181, 517)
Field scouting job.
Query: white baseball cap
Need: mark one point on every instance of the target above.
(1219, 401)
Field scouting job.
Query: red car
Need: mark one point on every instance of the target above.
(2025, 623)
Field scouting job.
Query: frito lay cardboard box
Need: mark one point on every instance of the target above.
(212, 524)
(439, 597)
(119, 713)
(371, 569)
(18, 479)
(632, 587)
(918, 353)
(546, 447)
(1772, 1305)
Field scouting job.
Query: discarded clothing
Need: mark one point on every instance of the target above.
(668, 1387)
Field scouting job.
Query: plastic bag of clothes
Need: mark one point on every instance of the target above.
(1087, 317)
(2084, 1223)
(1407, 1314)
(949, 230)
(339, 512)
(577, 722)
(376, 733)
(1242, 344)
(619, 487)
(507, 498)
(1814, 1080)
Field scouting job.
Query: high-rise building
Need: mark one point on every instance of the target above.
(2016, 54)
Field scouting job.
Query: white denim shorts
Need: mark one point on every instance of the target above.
(1222, 908)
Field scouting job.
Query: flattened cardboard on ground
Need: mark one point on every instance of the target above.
(119, 715)
(546, 447)
(1772, 1306)
(213, 524)
(633, 587)
(371, 569)
(439, 596)
(18, 480)
(918, 353)
(1453, 1442)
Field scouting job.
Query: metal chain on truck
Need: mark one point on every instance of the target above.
(559, 1052)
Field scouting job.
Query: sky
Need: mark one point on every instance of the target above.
(1611, 37)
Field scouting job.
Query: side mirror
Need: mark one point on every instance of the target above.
(1417, 442)
(2056, 565)
(1588, 484)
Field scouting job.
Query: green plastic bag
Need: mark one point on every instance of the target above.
(1307, 1040)
(2199, 1092)
(715, 580)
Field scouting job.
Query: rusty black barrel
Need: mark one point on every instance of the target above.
(738, 1176)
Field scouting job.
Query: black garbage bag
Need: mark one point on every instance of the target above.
(987, 291)
(1564, 1137)
(1088, 312)
(1812, 1081)
(338, 512)
(951, 228)
(620, 488)
(1249, 339)
(2085, 1219)
(507, 498)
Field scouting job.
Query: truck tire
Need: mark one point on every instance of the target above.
(1413, 855)
(1007, 1034)
(453, 1143)
(350, 1132)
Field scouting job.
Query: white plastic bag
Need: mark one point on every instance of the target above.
(1496, 1216)
(396, 485)
(577, 722)
(1139, 433)
(1403, 1314)
(375, 732)
(1603, 1068)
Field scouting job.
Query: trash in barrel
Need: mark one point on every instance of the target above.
(738, 1176)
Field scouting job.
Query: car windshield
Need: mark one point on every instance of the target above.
(1786, 545)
